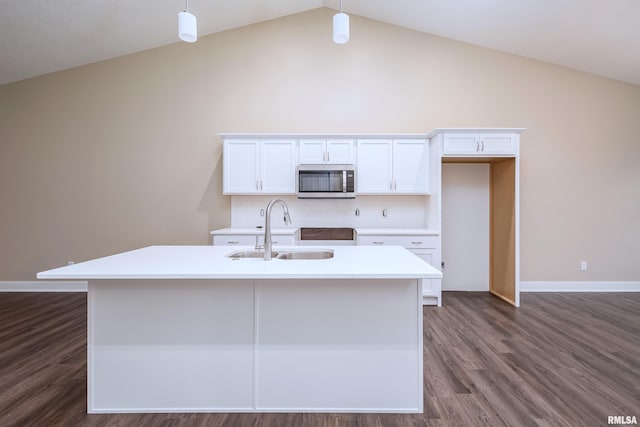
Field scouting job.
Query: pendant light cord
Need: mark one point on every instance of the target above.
(187, 9)
(340, 6)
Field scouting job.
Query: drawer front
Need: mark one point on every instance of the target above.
(234, 239)
(250, 239)
(409, 242)
(280, 239)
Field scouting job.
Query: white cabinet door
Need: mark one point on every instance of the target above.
(321, 151)
(278, 167)
(461, 143)
(498, 143)
(259, 167)
(340, 151)
(241, 167)
(410, 167)
(374, 168)
(431, 288)
(312, 151)
(480, 144)
(393, 167)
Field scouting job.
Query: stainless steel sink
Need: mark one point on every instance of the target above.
(249, 254)
(289, 254)
(320, 254)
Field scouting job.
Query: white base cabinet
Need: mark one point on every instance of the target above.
(425, 247)
(191, 345)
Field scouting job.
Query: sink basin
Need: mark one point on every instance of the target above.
(320, 254)
(291, 254)
(249, 254)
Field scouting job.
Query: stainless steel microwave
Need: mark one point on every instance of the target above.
(326, 182)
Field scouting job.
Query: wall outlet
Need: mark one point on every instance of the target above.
(583, 265)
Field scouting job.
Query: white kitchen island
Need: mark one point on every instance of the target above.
(186, 329)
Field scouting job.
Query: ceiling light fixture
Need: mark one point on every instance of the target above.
(187, 26)
(341, 27)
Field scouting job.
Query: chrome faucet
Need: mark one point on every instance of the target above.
(267, 226)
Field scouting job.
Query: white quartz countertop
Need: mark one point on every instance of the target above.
(209, 262)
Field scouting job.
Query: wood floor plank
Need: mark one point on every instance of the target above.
(559, 360)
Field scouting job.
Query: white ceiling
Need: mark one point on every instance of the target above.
(597, 36)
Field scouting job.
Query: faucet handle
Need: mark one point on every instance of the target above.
(258, 245)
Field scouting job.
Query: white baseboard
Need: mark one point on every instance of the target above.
(43, 286)
(579, 286)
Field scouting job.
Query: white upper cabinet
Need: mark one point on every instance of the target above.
(278, 167)
(373, 173)
(241, 167)
(259, 167)
(387, 166)
(340, 151)
(410, 167)
(326, 151)
(480, 144)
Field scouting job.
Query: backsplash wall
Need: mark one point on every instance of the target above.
(402, 211)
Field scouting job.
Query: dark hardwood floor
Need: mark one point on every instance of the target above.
(561, 359)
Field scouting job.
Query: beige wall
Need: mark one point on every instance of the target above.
(124, 153)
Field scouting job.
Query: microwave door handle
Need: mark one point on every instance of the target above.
(344, 181)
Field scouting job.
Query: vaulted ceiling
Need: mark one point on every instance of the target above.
(596, 36)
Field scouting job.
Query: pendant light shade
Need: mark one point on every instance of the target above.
(187, 26)
(340, 28)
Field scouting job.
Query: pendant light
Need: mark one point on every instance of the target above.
(187, 26)
(341, 27)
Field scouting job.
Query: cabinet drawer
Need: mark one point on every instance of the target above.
(280, 239)
(250, 239)
(409, 242)
(234, 239)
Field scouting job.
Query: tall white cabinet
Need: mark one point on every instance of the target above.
(499, 149)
